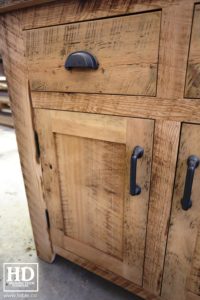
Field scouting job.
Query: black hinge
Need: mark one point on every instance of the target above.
(47, 218)
(37, 145)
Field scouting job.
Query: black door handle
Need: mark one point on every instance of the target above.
(81, 59)
(192, 164)
(137, 153)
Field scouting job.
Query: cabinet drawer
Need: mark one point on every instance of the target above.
(125, 47)
(86, 161)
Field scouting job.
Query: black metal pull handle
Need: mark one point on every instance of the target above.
(81, 59)
(137, 153)
(192, 163)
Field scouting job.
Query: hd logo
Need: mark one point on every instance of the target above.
(20, 277)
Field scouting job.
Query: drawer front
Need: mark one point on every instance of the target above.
(182, 263)
(125, 47)
(192, 88)
(86, 171)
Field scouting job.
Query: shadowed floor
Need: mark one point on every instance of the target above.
(60, 280)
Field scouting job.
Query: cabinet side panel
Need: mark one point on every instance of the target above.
(12, 50)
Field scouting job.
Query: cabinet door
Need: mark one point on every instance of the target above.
(86, 170)
(182, 264)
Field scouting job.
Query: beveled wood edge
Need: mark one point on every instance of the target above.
(118, 280)
(181, 110)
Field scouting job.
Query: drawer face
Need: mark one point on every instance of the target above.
(125, 47)
(86, 172)
(192, 88)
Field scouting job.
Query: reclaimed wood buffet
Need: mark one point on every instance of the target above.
(105, 98)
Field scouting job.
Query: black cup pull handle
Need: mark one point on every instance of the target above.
(81, 59)
(137, 153)
(192, 164)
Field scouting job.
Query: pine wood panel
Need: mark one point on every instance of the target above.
(176, 23)
(93, 188)
(193, 280)
(131, 106)
(92, 175)
(16, 73)
(192, 88)
(184, 225)
(126, 48)
(166, 139)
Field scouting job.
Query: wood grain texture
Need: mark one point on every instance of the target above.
(70, 11)
(90, 156)
(126, 48)
(192, 89)
(166, 140)
(193, 282)
(174, 44)
(184, 225)
(9, 5)
(108, 275)
(15, 70)
(130, 106)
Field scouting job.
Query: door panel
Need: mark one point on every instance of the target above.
(184, 224)
(86, 170)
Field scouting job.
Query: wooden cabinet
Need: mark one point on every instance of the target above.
(77, 130)
(86, 166)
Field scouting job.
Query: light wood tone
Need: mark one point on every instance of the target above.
(193, 283)
(166, 139)
(173, 55)
(131, 106)
(15, 70)
(191, 296)
(192, 89)
(70, 11)
(99, 270)
(126, 48)
(93, 171)
(184, 225)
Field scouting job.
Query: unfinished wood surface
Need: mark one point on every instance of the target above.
(70, 11)
(15, 70)
(192, 88)
(184, 225)
(126, 48)
(90, 156)
(176, 23)
(193, 283)
(8, 5)
(131, 106)
(108, 275)
(191, 296)
(166, 140)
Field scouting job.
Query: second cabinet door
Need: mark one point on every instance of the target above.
(86, 161)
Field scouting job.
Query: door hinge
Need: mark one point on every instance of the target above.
(37, 145)
(47, 218)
